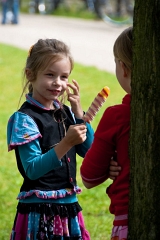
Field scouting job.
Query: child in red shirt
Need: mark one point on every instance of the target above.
(112, 135)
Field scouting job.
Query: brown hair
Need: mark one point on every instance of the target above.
(122, 48)
(39, 56)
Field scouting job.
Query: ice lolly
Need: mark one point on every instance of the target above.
(96, 104)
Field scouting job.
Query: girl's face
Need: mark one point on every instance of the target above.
(123, 75)
(52, 82)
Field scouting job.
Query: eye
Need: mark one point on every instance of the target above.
(50, 75)
(64, 77)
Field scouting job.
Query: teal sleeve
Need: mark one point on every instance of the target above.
(84, 147)
(35, 163)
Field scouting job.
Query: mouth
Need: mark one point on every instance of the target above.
(55, 92)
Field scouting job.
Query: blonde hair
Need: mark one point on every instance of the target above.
(122, 48)
(40, 55)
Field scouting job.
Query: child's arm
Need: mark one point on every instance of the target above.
(74, 99)
(26, 139)
(34, 162)
(96, 164)
(114, 171)
(76, 109)
(76, 134)
(89, 185)
(81, 149)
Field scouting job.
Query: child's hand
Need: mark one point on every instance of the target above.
(74, 99)
(114, 169)
(76, 134)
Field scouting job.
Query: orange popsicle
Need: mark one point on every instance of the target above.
(96, 104)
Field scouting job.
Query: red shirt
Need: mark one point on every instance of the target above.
(112, 135)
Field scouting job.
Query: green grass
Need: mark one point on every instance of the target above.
(71, 8)
(94, 202)
(74, 11)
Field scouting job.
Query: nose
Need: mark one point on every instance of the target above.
(56, 81)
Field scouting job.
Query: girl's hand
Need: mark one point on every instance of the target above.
(76, 134)
(74, 99)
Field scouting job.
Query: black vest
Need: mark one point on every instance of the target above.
(52, 133)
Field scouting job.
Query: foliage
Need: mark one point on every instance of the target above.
(94, 202)
(72, 8)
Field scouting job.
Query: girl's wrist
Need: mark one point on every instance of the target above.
(79, 115)
(65, 145)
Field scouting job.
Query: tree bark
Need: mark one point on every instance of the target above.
(144, 205)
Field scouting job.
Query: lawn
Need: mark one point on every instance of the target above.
(94, 202)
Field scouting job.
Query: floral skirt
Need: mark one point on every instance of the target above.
(119, 233)
(49, 222)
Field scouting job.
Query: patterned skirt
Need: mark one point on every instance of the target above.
(48, 222)
(120, 232)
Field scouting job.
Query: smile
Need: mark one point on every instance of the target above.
(55, 91)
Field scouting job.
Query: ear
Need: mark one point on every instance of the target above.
(28, 73)
(124, 69)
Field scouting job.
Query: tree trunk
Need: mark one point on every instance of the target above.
(144, 205)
